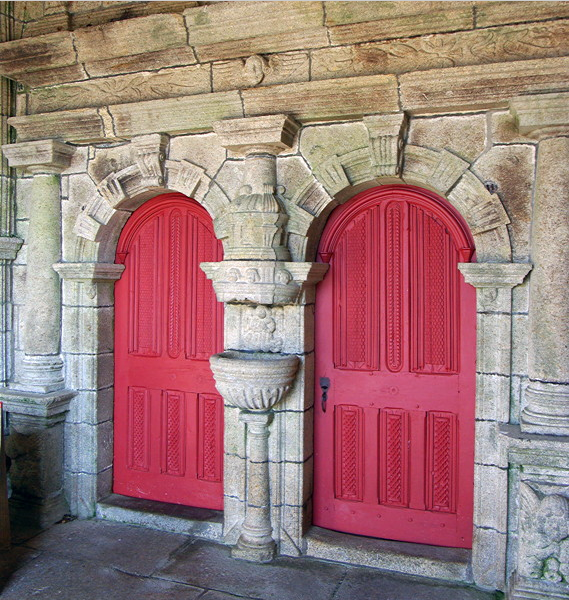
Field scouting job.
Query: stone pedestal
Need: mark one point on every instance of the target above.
(37, 401)
(546, 118)
(35, 445)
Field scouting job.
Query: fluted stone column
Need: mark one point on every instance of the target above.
(265, 297)
(37, 401)
(546, 118)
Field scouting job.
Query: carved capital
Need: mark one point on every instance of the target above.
(386, 141)
(92, 272)
(41, 156)
(542, 116)
(9, 247)
(494, 275)
(264, 282)
(271, 134)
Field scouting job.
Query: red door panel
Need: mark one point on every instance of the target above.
(394, 450)
(168, 415)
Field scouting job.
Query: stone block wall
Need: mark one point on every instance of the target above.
(466, 102)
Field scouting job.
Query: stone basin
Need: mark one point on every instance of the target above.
(253, 381)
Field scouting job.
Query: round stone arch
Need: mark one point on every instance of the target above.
(126, 177)
(384, 160)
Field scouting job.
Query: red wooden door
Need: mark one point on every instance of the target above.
(394, 449)
(168, 415)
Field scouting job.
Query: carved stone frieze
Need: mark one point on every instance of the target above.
(263, 282)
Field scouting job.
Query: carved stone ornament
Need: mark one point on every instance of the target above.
(263, 282)
(253, 381)
(544, 536)
(386, 141)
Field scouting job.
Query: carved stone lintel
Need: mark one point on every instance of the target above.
(42, 156)
(271, 134)
(387, 138)
(542, 116)
(264, 282)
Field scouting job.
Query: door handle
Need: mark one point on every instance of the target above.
(324, 386)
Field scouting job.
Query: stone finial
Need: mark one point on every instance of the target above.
(41, 156)
(271, 134)
(542, 115)
(386, 136)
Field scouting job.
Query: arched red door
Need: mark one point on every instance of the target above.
(395, 348)
(168, 442)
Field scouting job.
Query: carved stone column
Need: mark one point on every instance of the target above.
(37, 401)
(42, 368)
(265, 296)
(546, 118)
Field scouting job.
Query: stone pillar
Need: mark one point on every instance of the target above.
(265, 296)
(37, 401)
(546, 118)
(494, 283)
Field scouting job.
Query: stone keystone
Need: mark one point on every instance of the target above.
(270, 134)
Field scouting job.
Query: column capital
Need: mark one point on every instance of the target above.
(542, 116)
(41, 156)
(494, 275)
(271, 134)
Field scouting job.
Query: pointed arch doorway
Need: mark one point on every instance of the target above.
(395, 354)
(168, 427)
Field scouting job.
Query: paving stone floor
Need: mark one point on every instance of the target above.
(101, 560)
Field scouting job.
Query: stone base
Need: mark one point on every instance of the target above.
(40, 374)
(259, 554)
(538, 589)
(38, 512)
(547, 409)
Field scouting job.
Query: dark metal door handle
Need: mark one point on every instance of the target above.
(324, 386)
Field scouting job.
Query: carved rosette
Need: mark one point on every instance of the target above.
(253, 381)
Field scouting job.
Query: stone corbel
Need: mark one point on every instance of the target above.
(9, 247)
(386, 141)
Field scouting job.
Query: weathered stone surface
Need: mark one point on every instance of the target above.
(361, 21)
(129, 37)
(512, 168)
(542, 115)
(168, 83)
(341, 98)
(203, 150)
(477, 87)
(320, 142)
(41, 53)
(495, 13)
(501, 44)
(83, 125)
(177, 115)
(504, 129)
(228, 30)
(287, 67)
(150, 61)
(463, 135)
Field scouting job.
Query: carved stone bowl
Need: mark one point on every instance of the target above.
(253, 381)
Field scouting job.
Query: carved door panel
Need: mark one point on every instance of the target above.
(168, 442)
(395, 338)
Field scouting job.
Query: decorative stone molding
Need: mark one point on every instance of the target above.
(542, 116)
(128, 175)
(547, 408)
(264, 282)
(89, 271)
(387, 139)
(42, 156)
